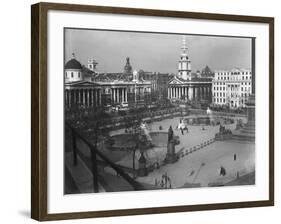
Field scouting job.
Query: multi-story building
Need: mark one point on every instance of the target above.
(231, 88)
(159, 84)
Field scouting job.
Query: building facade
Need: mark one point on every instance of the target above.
(84, 87)
(232, 88)
(187, 86)
(159, 84)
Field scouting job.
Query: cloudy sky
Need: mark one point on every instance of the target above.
(155, 52)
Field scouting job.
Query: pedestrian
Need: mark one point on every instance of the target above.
(222, 171)
(182, 131)
(234, 157)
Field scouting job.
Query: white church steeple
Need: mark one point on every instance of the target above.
(184, 70)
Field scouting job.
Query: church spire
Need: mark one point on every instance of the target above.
(184, 69)
(184, 48)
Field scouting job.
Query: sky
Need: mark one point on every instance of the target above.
(155, 52)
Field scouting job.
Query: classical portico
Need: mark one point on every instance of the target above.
(82, 93)
(196, 89)
(122, 92)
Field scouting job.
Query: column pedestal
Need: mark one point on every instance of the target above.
(142, 170)
(171, 156)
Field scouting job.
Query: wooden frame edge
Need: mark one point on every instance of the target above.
(39, 110)
(271, 111)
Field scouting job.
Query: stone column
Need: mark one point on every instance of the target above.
(96, 97)
(196, 93)
(70, 98)
(126, 95)
(92, 96)
(118, 96)
(168, 93)
(78, 97)
(190, 93)
(114, 94)
(100, 96)
(83, 97)
(88, 97)
(66, 98)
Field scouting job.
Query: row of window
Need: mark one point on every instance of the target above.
(231, 95)
(232, 88)
(234, 73)
(245, 88)
(219, 94)
(224, 83)
(233, 78)
(219, 100)
(72, 75)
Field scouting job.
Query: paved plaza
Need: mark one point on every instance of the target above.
(202, 166)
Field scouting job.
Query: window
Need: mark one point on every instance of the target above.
(71, 74)
(65, 74)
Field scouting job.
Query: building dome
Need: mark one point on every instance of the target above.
(73, 64)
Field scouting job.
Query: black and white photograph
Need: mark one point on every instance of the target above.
(157, 111)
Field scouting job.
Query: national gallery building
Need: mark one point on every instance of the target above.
(85, 87)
